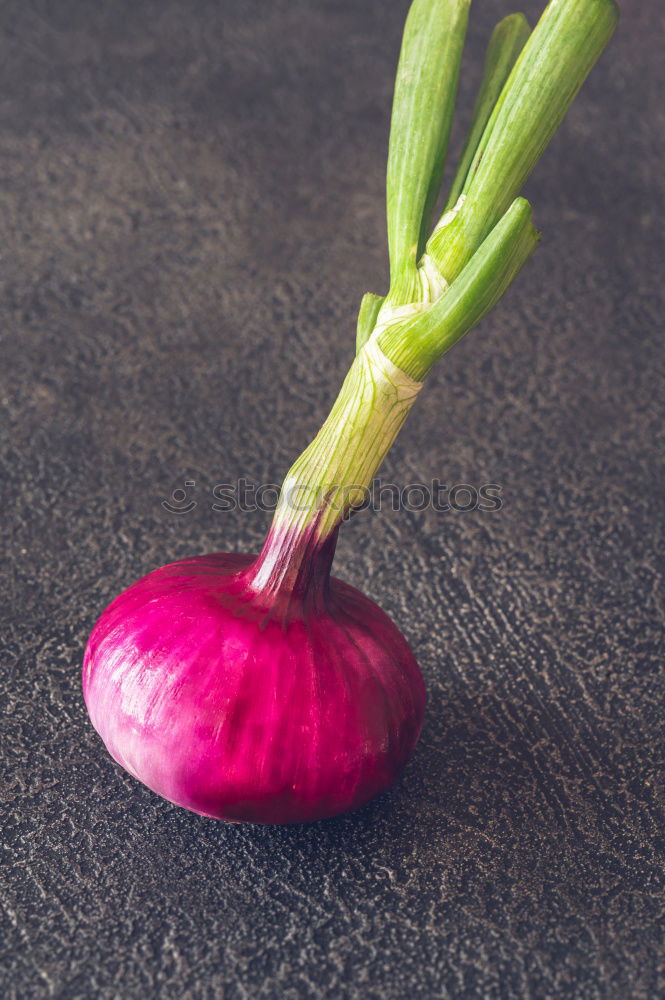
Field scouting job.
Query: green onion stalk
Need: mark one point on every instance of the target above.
(445, 274)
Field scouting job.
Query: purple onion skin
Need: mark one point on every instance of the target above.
(253, 706)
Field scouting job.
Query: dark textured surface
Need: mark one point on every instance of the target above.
(192, 205)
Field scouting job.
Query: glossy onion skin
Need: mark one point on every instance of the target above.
(244, 712)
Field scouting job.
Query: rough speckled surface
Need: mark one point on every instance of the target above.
(192, 205)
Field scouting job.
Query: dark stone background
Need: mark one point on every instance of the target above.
(192, 206)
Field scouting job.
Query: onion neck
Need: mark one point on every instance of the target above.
(331, 476)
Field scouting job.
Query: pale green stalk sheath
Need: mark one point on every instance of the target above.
(505, 44)
(417, 344)
(369, 310)
(423, 103)
(336, 469)
(552, 67)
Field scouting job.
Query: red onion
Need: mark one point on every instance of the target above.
(271, 709)
(263, 689)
